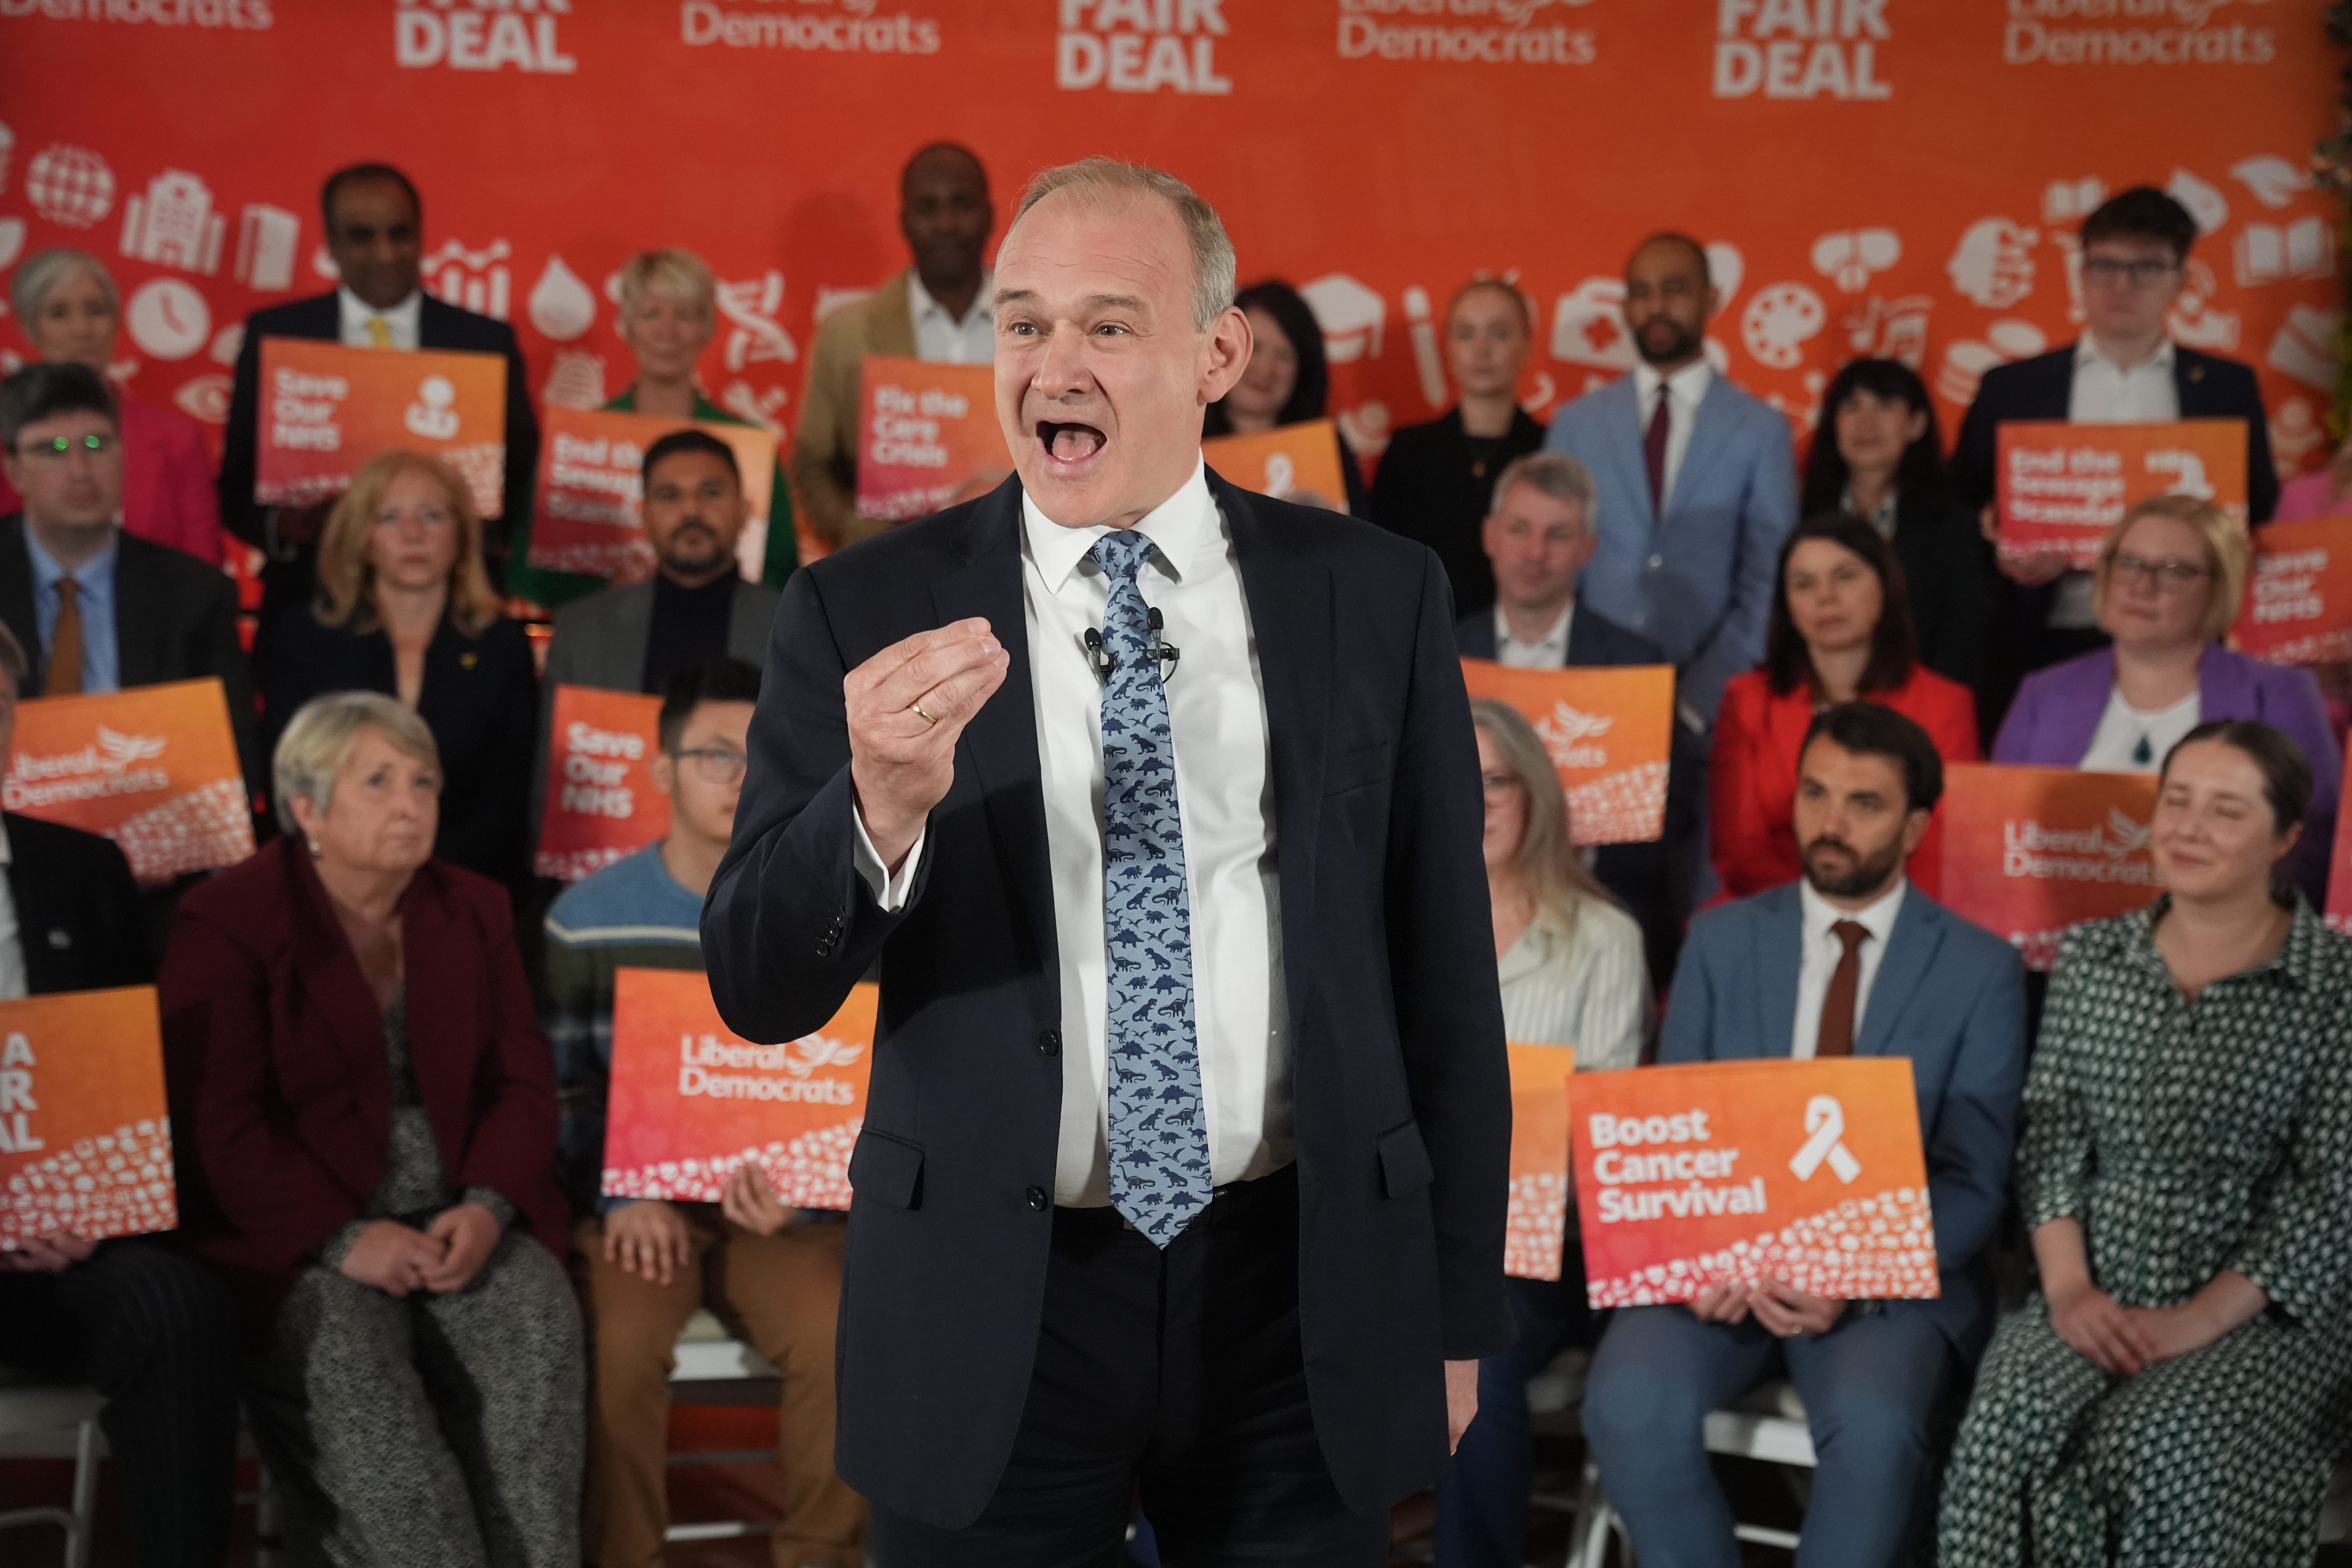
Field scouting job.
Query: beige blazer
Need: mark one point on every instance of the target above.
(824, 463)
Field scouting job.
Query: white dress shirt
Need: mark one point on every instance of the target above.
(403, 319)
(1548, 651)
(1821, 951)
(1590, 991)
(1216, 705)
(2104, 393)
(1684, 390)
(13, 982)
(940, 338)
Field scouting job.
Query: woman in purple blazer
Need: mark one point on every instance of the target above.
(2168, 581)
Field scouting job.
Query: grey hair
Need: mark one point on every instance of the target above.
(1098, 181)
(318, 741)
(43, 270)
(1555, 474)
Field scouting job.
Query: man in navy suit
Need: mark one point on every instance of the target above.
(375, 233)
(1849, 960)
(1184, 1161)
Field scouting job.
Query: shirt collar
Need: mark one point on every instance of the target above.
(1877, 918)
(94, 576)
(1555, 636)
(1689, 382)
(403, 315)
(921, 304)
(1184, 530)
(1882, 517)
(2087, 353)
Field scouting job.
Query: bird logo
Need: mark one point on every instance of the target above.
(1566, 728)
(117, 751)
(2126, 836)
(812, 1052)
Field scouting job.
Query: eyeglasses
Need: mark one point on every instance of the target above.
(2169, 576)
(716, 764)
(2145, 273)
(1498, 784)
(58, 448)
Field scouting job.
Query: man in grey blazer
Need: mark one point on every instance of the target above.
(1849, 960)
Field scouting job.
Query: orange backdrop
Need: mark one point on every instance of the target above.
(1906, 182)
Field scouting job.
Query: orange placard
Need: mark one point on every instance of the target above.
(1536, 1222)
(2062, 484)
(1608, 731)
(85, 1135)
(690, 1101)
(2298, 603)
(601, 800)
(325, 409)
(1293, 462)
(1805, 1172)
(589, 515)
(924, 432)
(2029, 852)
(153, 768)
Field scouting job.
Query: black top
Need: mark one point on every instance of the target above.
(688, 628)
(1948, 574)
(79, 916)
(1435, 483)
(480, 700)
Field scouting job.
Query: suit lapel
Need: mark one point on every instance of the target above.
(2191, 387)
(437, 1012)
(141, 614)
(1910, 954)
(1624, 422)
(632, 630)
(893, 325)
(16, 600)
(1779, 949)
(338, 991)
(1707, 438)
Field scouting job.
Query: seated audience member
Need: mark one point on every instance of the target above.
(1841, 632)
(1882, 462)
(152, 1329)
(2167, 585)
(2324, 493)
(774, 1271)
(1849, 960)
(1436, 481)
(1287, 382)
(69, 311)
(1572, 975)
(2175, 1391)
(365, 1102)
(97, 610)
(405, 608)
(942, 308)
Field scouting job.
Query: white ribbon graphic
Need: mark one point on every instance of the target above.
(1825, 1119)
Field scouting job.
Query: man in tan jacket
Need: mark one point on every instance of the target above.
(937, 309)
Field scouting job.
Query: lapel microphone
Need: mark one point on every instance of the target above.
(1104, 661)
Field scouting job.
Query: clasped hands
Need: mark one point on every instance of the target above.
(2125, 1341)
(441, 1259)
(650, 1239)
(1782, 1309)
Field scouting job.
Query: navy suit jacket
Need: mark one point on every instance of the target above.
(1594, 639)
(1401, 1088)
(1951, 995)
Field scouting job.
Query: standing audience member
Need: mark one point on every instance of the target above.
(2123, 370)
(70, 313)
(367, 1123)
(1841, 632)
(1287, 382)
(97, 610)
(2168, 581)
(941, 309)
(1882, 462)
(774, 1271)
(1851, 960)
(2179, 1385)
(404, 609)
(155, 1331)
(1572, 973)
(1436, 481)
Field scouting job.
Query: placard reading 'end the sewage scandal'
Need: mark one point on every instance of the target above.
(1607, 731)
(601, 803)
(690, 1101)
(590, 512)
(2062, 486)
(327, 409)
(85, 1138)
(2029, 852)
(1809, 1172)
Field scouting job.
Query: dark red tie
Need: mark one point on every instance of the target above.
(1654, 451)
(1836, 1036)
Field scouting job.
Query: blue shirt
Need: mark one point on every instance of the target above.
(101, 666)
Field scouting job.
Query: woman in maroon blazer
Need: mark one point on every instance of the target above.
(365, 1111)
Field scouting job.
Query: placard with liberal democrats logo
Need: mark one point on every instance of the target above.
(1536, 1223)
(2029, 852)
(590, 508)
(924, 432)
(2298, 603)
(1809, 1172)
(325, 409)
(85, 1136)
(1607, 731)
(690, 1101)
(601, 803)
(2062, 486)
(1291, 462)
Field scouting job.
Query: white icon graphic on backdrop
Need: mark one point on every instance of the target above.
(173, 224)
(1422, 329)
(2072, 201)
(228, 342)
(70, 185)
(11, 240)
(431, 415)
(1588, 326)
(576, 380)
(268, 239)
(2304, 346)
(323, 263)
(1354, 318)
(1727, 269)
(1890, 329)
(1825, 1119)
(205, 398)
(2267, 252)
(2295, 434)
(754, 336)
(1993, 264)
(1849, 257)
(2273, 180)
(1967, 359)
(7, 153)
(828, 300)
(741, 399)
(1779, 321)
(475, 280)
(2194, 322)
(168, 319)
(2205, 201)
(561, 306)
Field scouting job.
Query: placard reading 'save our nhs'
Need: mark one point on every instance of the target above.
(325, 409)
(601, 803)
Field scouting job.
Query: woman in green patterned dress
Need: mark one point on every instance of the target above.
(2178, 1390)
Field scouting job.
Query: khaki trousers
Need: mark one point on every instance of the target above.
(781, 1294)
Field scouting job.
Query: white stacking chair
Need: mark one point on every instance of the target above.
(708, 1354)
(1767, 1423)
(41, 1420)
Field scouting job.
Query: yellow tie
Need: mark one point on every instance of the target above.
(379, 331)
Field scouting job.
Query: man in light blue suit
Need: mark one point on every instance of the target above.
(1851, 959)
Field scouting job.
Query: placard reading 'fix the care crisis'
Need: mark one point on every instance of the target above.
(2029, 852)
(691, 1101)
(2062, 484)
(600, 801)
(1809, 1172)
(591, 506)
(924, 430)
(2298, 603)
(1535, 1224)
(1608, 731)
(327, 409)
(85, 1138)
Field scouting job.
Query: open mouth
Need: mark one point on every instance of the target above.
(1070, 443)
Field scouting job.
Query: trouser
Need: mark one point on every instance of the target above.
(156, 1332)
(783, 1295)
(1177, 1370)
(1872, 1388)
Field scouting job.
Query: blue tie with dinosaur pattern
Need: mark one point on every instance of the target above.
(1158, 1139)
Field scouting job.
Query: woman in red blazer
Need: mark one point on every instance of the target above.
(1840, 629)
(365, 1118)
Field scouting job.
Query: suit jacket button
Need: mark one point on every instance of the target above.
(824, 947)
(1050, 1041)
(1037, 1199)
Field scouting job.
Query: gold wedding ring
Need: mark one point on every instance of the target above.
(917, 710)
